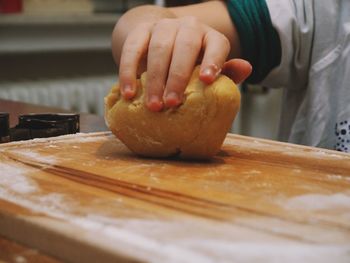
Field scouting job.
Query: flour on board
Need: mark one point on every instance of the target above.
(34, 156)
(13, 177)
(315, 202)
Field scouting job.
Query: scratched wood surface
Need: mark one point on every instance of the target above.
(86, 198)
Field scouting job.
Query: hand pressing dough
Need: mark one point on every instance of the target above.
(194, 130)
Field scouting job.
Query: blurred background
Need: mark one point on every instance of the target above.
(57, 53)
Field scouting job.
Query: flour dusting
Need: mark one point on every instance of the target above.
(85, 137)
(35, 156)
(270, 251)
(318, 154)
(137, 235)
(314, 202)
(13, 177)
(54, 204)
(20, 259)
(78, 137)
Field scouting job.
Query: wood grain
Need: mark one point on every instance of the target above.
(15, 253)
(84, 198)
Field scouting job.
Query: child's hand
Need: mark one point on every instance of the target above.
(173, 46)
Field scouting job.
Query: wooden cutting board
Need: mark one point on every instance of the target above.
(86, 198)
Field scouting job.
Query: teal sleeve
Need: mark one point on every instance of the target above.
(260, 43)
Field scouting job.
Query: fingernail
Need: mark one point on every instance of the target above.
(153, 99)
(208, 71)
(128, 91)
(154, 104)
(172, 99)
(212, 70)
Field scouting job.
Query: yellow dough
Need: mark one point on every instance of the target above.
(194, 130)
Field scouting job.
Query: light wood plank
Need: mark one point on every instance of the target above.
(84, 198)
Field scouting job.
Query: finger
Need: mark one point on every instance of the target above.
(186, 49)
(217, 48)
(134, 48)
(237, 69)
(159, 57)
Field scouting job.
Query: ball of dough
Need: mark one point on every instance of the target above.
(194, 130)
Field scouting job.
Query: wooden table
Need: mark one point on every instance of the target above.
(11, 251)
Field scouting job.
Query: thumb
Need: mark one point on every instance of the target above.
(237, 69)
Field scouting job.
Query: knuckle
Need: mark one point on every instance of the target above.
(143, 26)
(160, 45)
(164, 23)
(152, 75)
(125, 66)
(217, 36)
(178, 77)
(225, 42)
(125, 75)
(131, 50)
(189, 44)
(190, 21)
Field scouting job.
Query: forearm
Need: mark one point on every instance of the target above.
(131, 19)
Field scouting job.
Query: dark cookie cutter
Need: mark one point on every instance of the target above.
(34, 125)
